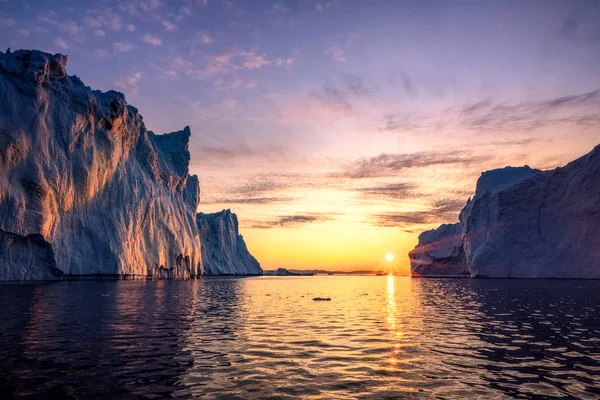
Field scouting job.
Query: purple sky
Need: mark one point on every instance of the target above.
(338, 130)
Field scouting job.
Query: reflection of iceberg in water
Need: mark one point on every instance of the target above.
(214, 338)
(536, 338)
(102, 336)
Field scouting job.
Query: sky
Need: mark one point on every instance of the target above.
(338, 130)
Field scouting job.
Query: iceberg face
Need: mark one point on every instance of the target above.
(439, 252)
(526, 224)
(224, 251)
(83, 181)
(496, 180)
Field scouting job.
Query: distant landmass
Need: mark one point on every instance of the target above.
(522, 223)
(309, 272)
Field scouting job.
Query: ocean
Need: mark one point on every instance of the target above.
(265, 337)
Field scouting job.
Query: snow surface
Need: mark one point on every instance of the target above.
(522, 223)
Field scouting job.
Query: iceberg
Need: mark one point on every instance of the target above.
(224, 251)
(85, 189)
(522, 223)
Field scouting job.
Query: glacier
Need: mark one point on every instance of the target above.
(521, 223)
(85, 189)
(224, 251)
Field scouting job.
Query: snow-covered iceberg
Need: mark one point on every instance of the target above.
(85, 189)
(224, 251)
(522, 223)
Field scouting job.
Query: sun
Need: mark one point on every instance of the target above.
(389, 257)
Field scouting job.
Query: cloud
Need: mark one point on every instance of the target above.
(449, 205)
(123, 47)
(406, 219)
(6, 21)
(234, 83)
(153, 40)
(336, 53)
(277, 8)
(241, 152)
(131, 28)
(228, 61)
(139, 7)
(443, 210)
(22, 31)
(323, 5)
(252, 200)
(70, 27)
(129, 82)
(284, 62)
(394, 191)
(168, 25)
(206, 38)
(390, 164)
(61, 43)
(99, 33)
(103, 19)
(257, 187)
(49, 17)
(488, 116)
(252, 60)
(100, 53)
(334, 98)
(358, 87)
(289, 221)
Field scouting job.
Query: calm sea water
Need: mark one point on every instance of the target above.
(379, 337)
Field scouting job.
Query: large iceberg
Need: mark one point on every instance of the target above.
(522, 223)
(85, 189)
(224, 251)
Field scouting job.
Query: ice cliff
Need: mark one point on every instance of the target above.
(224, 251)
(85, 189)
(522, 223)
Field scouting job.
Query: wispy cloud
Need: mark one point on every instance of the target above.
(225, 62)
(390, 164)
(359, 87)
(61, 43)
(139, 7)
(101, 53)
(251, 200)
(168, 25)
(295, 220)
(153, 40)
(206, 37)
(394, 191)
(70, 27)
(336, 53)
(323, 5)
(123, 47)
(129, 82)
(487, 116)
(6, 21)
(234, 83)
(103, 19)
(237, 152)
(49, 17)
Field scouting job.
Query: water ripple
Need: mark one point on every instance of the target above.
(379, 337)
